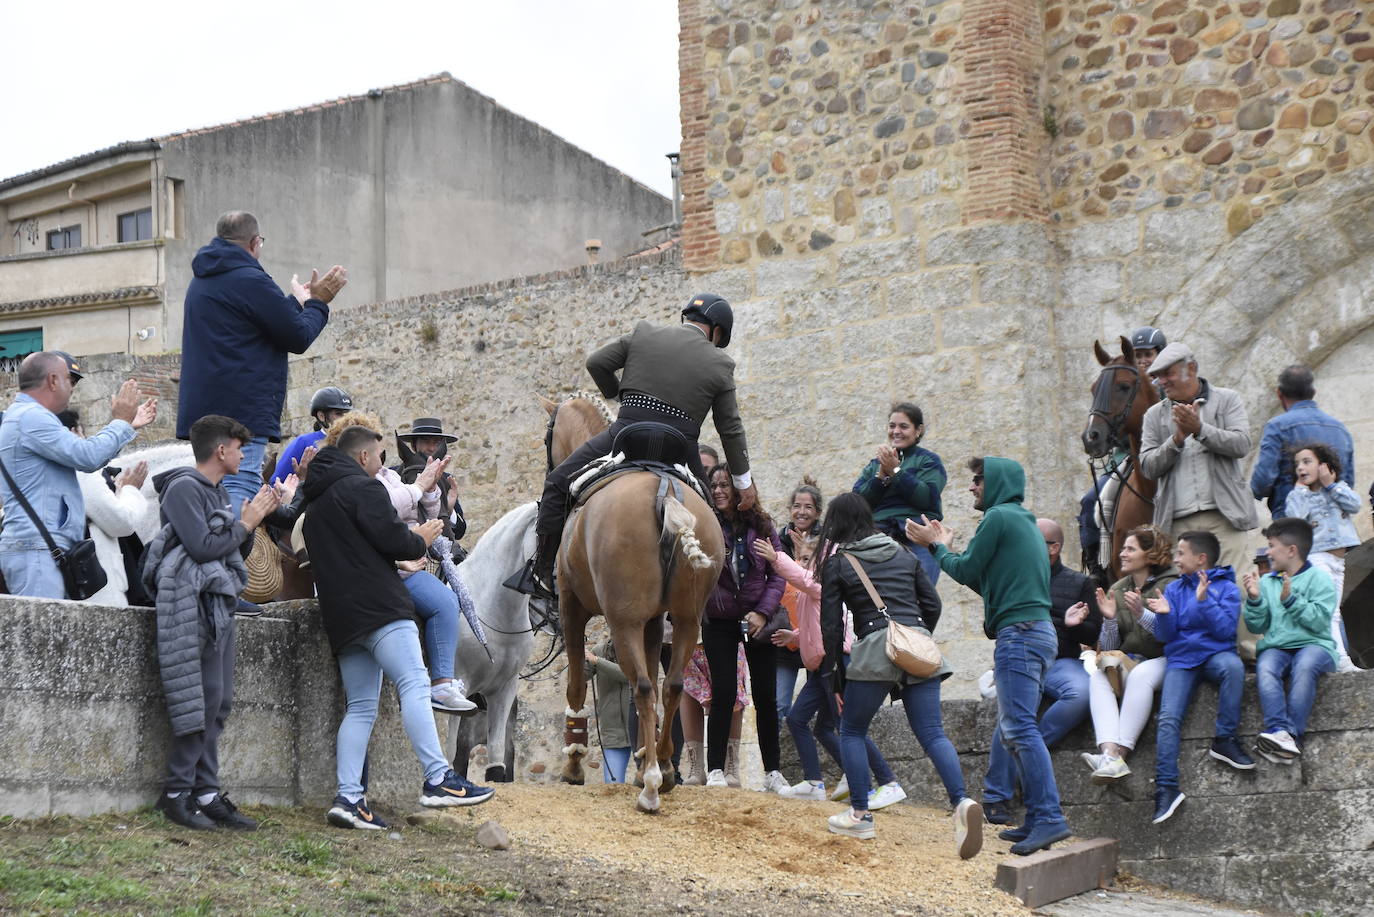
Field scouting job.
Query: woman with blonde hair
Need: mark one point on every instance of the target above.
(1128, 644)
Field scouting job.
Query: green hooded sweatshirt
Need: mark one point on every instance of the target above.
(1005, 562)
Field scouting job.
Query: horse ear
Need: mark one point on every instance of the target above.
(1102, 358)
(548, 406)
(1127, 350)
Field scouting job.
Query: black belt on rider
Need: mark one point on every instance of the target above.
(877, 622)
(650, 403)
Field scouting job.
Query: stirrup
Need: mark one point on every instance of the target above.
(526, 582)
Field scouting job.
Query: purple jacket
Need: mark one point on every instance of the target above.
(747, 583)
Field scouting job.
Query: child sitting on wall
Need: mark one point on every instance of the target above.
(1292, 608)
(1323, 499)
(1196, 619)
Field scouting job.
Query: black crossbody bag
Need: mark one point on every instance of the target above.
(81, 570)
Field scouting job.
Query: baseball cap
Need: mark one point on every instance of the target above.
(73, 366)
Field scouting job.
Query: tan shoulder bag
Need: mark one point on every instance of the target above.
(909, 649)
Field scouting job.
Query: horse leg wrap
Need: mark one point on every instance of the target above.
(575, 732)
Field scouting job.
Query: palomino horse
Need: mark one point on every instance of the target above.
(611, 564)
(1121, 396)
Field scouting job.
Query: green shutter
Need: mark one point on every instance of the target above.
(14, 344)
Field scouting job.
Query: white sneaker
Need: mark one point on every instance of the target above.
(775, 782)
(1280, 742)
(1345, 664)
(886, 795)
(449, 698)
(968, 828)
(716, 778)
(1273, 758)
(841, 790)
(845, 823)
(804, 790)
(1110, 770)
(1093, 761)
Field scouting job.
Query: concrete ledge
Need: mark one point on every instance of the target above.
(1299, 838)
(1054, 874)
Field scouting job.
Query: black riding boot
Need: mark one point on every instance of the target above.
(535, 579)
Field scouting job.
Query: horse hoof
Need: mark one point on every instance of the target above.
(669, 777)
(575, 781)
(497, 774)
(648, 804)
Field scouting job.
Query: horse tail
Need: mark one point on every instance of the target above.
(679, 524)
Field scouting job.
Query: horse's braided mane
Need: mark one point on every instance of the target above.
(597, 402)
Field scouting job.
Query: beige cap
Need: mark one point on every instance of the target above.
(1177, 352)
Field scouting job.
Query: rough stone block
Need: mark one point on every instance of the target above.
(996, 242)
(1334, 884)
(1014, 283)
(930, 291)
(877, 259)
(784, 276)
(1054, 874)
(1096, 282)
(1204, 876)
(1108, 239)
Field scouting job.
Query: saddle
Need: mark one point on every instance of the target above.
(646, 446)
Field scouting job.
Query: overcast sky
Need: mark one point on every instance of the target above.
(81, 76)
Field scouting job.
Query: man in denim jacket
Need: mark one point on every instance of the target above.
(43, 457)
(1301, 421)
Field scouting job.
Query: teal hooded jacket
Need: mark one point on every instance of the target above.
(1005, 562)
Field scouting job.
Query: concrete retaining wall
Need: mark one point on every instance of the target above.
(1294, 839)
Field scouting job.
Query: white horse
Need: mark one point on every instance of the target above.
(505, 615)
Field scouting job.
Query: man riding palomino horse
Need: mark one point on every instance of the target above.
(669, 374)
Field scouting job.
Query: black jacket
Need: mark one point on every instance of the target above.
(355, 538)
(899, 580)
(1069, 587)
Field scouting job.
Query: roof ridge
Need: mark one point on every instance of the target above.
(442, 76)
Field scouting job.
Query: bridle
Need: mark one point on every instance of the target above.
(1102, 402)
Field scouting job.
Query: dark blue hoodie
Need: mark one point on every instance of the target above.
(237, 331)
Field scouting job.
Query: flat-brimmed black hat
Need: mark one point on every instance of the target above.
(427, 426)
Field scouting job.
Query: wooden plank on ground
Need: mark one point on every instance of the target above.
(1058, 873)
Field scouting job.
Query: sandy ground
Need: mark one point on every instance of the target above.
(740, 841)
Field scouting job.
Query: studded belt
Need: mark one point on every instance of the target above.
(650, 403)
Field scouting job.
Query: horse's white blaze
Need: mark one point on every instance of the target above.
(679, 520)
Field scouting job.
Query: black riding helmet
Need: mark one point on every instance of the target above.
(330, 398)
(1148, 338)
(713, 312)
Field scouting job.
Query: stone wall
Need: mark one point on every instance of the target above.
(1171, 104)
(1289, 839)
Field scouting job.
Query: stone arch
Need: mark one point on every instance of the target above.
(1292, 288)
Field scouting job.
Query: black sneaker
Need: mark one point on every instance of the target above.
(1227, 750)
(222, 811)
(453, 791)
(182, 810)
(997, 813)
(1167, 801)
(345, 814)
(1016, 835)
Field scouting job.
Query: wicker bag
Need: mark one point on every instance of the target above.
(264, 568)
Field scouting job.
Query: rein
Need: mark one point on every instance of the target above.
(548, 439)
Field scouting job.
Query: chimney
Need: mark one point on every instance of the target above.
(677, 189)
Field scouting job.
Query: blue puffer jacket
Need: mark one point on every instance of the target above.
(1193, 631)
(237, 331)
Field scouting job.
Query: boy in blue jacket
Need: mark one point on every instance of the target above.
(1292, 606)
(1196, 619)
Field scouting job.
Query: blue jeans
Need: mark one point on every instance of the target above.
(30, 570)
(1302, 667)
(1021, 660)
(1224, 670)
(817, 700)
(922, 702)
(927, 561)
(1067, 683)
(245, 485)
(787, 684)
(393, 650)
(437, 604)
(613, 764)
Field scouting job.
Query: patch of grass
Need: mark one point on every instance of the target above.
(503, 893)
(60, 889)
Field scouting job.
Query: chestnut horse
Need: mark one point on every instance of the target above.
(610, 564)
(1121, 396)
